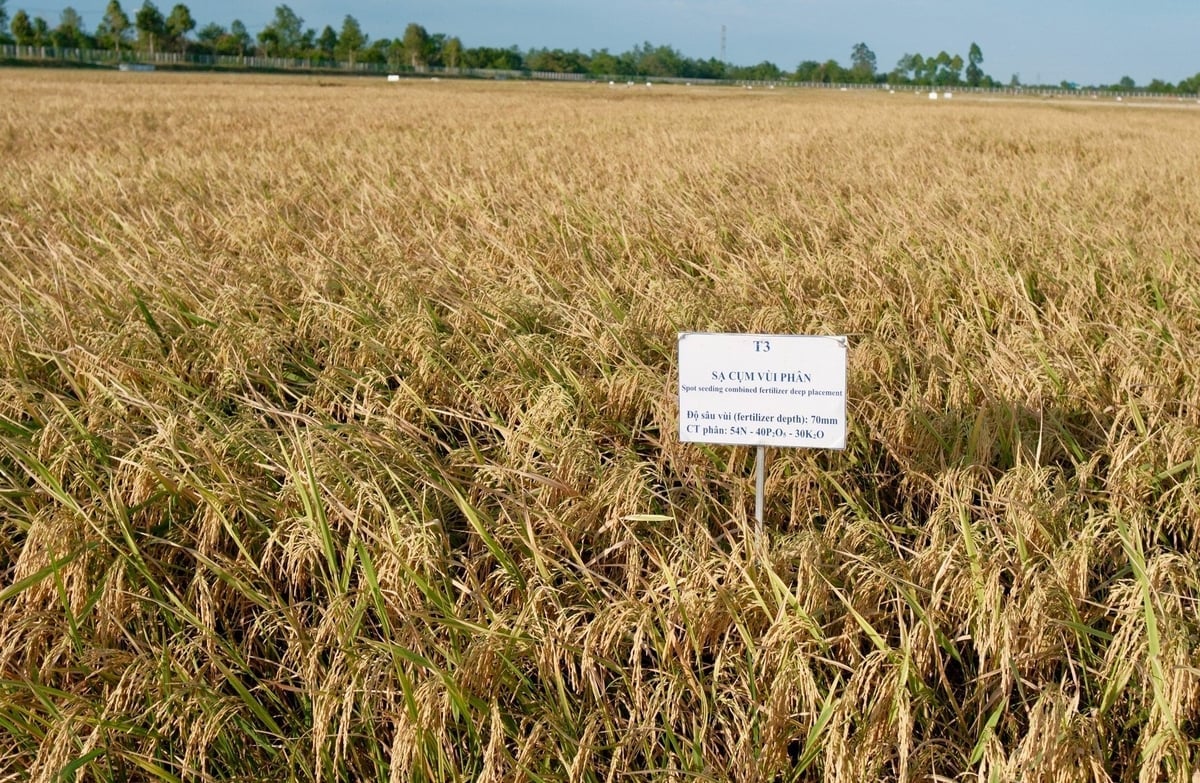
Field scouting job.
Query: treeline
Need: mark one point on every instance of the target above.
(151, 30)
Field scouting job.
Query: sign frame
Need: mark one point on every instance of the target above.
(753, 389)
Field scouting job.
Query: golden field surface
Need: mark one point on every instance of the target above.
(339, 440)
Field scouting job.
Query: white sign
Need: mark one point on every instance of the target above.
(762, 390)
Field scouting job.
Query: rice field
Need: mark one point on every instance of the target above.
(339, 434)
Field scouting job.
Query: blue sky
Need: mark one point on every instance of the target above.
(1044, 41)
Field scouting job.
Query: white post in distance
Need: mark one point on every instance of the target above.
(762, 390)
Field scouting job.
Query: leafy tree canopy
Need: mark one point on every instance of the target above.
(862, 63)
(283, 36)
(179, 24)
(22, 29)
(351, 39)
(327, 41)
(150, 24)
(416, 45)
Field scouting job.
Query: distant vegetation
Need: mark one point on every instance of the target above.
(149, 30)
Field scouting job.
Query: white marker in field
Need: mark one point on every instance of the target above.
(762, 390)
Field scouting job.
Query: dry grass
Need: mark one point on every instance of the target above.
(338, 435)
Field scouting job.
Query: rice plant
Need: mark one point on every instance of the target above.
(338, 435)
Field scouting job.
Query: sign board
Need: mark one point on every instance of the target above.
(762, 390)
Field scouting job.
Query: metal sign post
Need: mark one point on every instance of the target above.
(759, 481)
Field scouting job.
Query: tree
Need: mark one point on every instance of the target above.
(114, 27)
(900, 73)
(806, 71)
(829, 72)
(377, 53)
(600, 63)
(974, 72)
(862, 63)
(556, 61)
(240, 37)
(210, 34)
(351, 40)
(944, 70)
(269, 43)
(69, 33)
(394, 53)
(416, 45)
(327, 43)
(217, 40)
(913, 69)
(491, 58)
(22, 29)
(919, 68)
(653, 60)
(712, 68)
(1127, 83)
(452, 51)
(766, 71)
(150, 25)
(179, 24)
(283, 36)
(954, 70)
(434, 48)
(3, 17)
